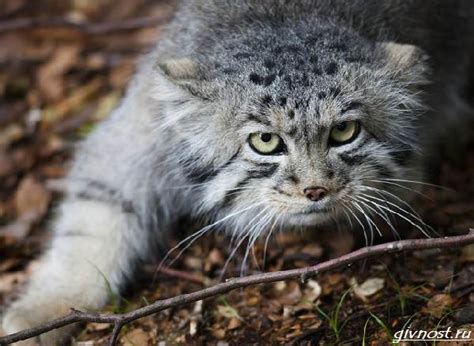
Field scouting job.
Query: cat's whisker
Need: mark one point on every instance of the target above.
(402, 187)
(418, 182)
(267, 238)
(367, 216)
(362, 212)
(412, 212)
(381, 213)
(349, 209)
(237, 246)
(257, 230)
(423, 230)
(193, 237)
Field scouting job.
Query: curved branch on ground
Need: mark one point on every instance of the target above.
(119, 320)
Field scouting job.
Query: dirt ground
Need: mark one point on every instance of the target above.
(58, 79)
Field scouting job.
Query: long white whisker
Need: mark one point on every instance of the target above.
(245, 236)
(193, 237)
(412, 212)
(356, 201)
(360, 223)
(380, 212)
(407, 219)
(418, 183)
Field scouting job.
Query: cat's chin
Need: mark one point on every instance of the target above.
(313, 219)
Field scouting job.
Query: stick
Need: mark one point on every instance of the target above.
(119, 320)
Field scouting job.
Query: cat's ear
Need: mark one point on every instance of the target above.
(180, 70)
(186, 74)
(405, 61)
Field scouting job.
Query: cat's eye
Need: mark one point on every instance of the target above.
(344, 133)
(266, 143)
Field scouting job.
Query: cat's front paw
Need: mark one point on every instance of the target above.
(24, 315)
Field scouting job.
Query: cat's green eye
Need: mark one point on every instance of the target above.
(344, 133)
(266, 143)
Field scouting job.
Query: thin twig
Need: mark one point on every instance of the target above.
(303, 274)
(181, 275)
(85, 28)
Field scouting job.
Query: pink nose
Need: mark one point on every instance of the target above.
(315, 193)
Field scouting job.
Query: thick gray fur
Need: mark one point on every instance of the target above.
(177, 145)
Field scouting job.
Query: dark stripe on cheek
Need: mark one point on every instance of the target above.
(231, 195)
(352, 160)
(360, 145)
(264, 170)
(204, 174)
(280, 191)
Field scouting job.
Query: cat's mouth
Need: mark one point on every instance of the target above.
(313, 210)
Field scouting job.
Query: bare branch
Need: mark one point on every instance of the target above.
(119, 320)
(85, 28)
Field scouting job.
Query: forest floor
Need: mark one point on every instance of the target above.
(58, 80)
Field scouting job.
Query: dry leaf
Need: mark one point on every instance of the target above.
(135, 337)
(368, 288)
(234, 323)
(31, 199)
(437, 305)
(10, 134)
(50, 75)
(467, 254)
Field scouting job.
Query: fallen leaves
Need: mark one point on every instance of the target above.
(51, 74)
(31, 199)
(438, 305)
(368, 288)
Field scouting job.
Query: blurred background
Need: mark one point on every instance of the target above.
(64, 66)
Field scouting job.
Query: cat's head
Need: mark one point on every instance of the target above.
(295, 127)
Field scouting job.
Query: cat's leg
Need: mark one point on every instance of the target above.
(101, 229)
(90, 254)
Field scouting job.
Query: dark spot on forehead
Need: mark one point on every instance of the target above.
(262, 80)
(292, 48)
(278, 49)
(331, 68)
(339, 46)
(228, 71)
(267, 99)
(242, 55)
(313, 59)
(268, 63)
(269, 79)
(255, 78)
(316, 70)
(282, 101)
(291, 113)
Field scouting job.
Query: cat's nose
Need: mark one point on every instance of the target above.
(315, 193)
